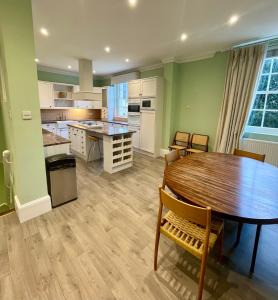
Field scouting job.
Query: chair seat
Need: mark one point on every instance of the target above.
(188, 235)
(177, 147)
(93, 138)
(194, 150)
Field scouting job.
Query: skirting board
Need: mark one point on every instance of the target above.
(163, 152)
(32, 209)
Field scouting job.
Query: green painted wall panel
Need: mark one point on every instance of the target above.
(200, 87)
(23, 138)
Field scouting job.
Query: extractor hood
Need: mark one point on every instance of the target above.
(85, 82)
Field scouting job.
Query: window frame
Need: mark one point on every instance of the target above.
(261, 129)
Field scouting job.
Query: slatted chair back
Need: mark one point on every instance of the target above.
(200, 142)
(256, 156)
(182, 139)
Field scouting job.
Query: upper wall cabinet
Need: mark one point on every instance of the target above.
(149, 87)
(142, 88)
(134, 89)
(46, 94)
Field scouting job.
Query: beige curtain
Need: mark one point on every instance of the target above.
(243, 68)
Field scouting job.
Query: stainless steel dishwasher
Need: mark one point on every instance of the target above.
(61, 178)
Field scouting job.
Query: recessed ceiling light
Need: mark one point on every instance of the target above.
(107, 49)
(37, 60)
(69, 67)
(183, 37)
(132, 3)
(233, 19)
(127, 60)
(94, 71)
(44, 31)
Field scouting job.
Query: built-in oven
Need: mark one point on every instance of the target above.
(148, 104)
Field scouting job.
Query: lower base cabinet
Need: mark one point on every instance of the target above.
(147, 131)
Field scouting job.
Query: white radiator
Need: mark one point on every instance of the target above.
(270, 149)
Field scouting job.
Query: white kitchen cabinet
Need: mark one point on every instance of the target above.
(136, 139)
(134, 88)
(147, 131)
(46, 96)
(149, 87)
(78, 141)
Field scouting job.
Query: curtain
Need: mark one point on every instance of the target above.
(242, 73)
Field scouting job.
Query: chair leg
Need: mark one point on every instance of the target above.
(220, 245)
(99, 149)
(88, 156)
(202, 277)
(156, 248)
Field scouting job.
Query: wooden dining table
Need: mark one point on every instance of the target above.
(236, 188)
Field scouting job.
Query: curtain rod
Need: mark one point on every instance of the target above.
(254, 42)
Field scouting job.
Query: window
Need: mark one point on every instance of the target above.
(121, 100)
(263, 117)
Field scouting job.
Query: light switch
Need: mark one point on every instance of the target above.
(26, 115)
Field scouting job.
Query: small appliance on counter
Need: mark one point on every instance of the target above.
(61, 178)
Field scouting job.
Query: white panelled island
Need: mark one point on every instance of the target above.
(115, 144)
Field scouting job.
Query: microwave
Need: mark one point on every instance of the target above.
(148, 104)
(133, 108)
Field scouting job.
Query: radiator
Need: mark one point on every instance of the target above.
(270, 149)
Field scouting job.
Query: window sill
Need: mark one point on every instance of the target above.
(260, 137)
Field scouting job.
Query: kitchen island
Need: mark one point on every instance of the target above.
(115, 141)
(54, 144)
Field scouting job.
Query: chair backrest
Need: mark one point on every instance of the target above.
(182, 138)
(200, 142)
(195, 214)
(260, 157)
(171, 157)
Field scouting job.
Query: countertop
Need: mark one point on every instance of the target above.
(51, 139)
(108, 129)
(93, 120)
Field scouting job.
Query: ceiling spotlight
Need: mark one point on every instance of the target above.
(132, 3)
(44, 31)
(183, 37)
(37, 60)
(127, 60)
(94, 71)
(233, 19)
(69, 67)
(107, 49)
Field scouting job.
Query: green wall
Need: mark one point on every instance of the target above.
(151, 73)
(23, 138)
(71, 79)
(200, 87)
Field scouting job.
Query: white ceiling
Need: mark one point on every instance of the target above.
(146, 34)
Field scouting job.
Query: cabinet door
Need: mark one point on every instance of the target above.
(46, 94)
(136, 139)
(147, 131)
(149, 87)
(134, 89)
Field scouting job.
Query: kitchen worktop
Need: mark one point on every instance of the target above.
(93, 120)
(51, 139)
(108, 129)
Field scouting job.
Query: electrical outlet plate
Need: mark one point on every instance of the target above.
(26, 115)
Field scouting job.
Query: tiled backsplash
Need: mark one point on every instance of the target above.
(70, 114)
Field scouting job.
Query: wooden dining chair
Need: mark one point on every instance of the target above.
(181, 141)
(191, 227)
(198, 144)
(259, 157)
(170, 157)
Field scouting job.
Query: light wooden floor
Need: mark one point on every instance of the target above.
(101, 247)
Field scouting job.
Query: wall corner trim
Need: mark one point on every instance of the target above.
(32, 209)
(163, 152)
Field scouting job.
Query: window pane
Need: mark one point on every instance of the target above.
(267, 65)
(271, 119)
(259, 101)
(273, 83)
(263, 83)
(272, 101)
(275, 65)
(255, 118)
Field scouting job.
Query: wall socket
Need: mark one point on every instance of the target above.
(26, 115)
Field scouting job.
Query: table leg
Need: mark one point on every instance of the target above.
(259, 226)
(239, 229)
